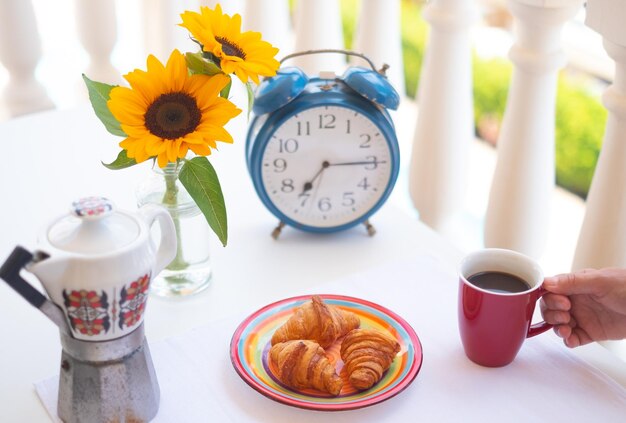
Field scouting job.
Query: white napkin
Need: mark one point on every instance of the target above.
(546, 382)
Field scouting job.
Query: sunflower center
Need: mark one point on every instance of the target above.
(173, 115)
(230, 48)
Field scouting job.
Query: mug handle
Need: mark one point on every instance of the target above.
(542, 326)
(168, 244)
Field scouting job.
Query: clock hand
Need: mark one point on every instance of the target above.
(317, 187)
(357, 163)
(308, 185)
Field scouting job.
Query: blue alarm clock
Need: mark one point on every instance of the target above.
(322, 152)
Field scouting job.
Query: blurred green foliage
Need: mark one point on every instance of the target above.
(580, 123)
(491, 86)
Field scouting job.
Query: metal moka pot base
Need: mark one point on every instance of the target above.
(109, 381)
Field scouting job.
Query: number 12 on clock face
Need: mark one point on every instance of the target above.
(328, 167)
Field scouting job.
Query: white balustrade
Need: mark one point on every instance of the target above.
(20, 51)
(602, 239)
(97, 31)
(379, 37)
(229, 6)
(444, 126)
(271, 18)
(521, 192)
(160, 24)
(318, 26)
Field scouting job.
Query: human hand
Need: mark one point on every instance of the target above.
(586, 306)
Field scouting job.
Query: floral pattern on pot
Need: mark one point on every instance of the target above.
(87, 311)
(133, 301)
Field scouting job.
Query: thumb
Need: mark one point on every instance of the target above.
(582, 282)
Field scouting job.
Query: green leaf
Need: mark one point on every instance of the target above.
(197, 63)
(99, 95)
(250, 97)
(122, 162)
(226, 90)
(200, 179)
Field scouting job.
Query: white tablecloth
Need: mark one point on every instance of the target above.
(546, 382)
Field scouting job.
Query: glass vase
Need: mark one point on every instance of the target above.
(190, 271)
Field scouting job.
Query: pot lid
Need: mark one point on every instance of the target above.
(93, 227)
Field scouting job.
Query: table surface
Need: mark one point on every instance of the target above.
(52, 158)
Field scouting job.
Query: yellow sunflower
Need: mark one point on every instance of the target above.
(167, 112)
(243, 54)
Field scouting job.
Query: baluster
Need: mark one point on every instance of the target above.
(230, 7)
(521, 192)
(318, 25)
(378, 36)
(270, 18)
(20, 50)
(158, 25)
(602, 239)
(96, 26)
(161, 31)
(444, 126)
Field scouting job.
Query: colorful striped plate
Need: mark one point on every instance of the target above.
(249, 353)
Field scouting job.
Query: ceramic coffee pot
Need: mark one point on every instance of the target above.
(96, 264)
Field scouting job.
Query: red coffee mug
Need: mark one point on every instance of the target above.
(494, 325)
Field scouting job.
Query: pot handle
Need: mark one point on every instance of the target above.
(10, 273)
(167, 245)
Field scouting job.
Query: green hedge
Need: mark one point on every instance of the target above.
(580, 123)
(580, 118)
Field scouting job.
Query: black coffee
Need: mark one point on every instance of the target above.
(499, 282)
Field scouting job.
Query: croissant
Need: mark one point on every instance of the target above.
(367, 354)
(303, 364)
(317, 321)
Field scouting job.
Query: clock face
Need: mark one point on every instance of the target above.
(326, 166)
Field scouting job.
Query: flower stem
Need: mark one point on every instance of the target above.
(170, 199)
